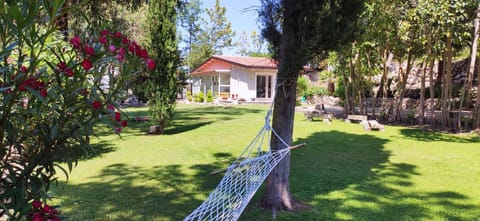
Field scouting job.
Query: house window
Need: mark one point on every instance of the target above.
(215, 80)
(264, 86)
(224, 87)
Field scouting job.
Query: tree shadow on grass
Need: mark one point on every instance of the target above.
(188, 119)
(350, 177)
(126, 192)
(98, 149)
(428, 136)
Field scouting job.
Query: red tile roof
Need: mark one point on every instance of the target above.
(246, 62)
(249, 62)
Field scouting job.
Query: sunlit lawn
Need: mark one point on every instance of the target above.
(345, 173)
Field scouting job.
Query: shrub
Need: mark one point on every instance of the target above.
(302, 86)
(189, 96)
(52, 96)
(209, 97)
(200, 97)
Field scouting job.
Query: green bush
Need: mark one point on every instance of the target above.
(209, 97)
(302, 86)
(200, 97)
(189, 96)
(52, 96)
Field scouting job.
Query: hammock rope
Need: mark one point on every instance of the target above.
(243, 177)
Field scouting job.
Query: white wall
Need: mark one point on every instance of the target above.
(242, 82)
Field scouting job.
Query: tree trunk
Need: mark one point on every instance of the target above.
(403, 84)
(476, 110)
(347, 93)
(157, 129)
(277, 195)
(446, 89)
(432, 90)
(422, 95)
(353, 76)
(473, 58)
(382, 90)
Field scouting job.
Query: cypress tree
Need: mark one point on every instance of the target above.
(162, 81)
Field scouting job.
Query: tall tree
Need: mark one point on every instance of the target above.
(257, 42)
(476, 110)
(219, 30)
(473, 59)
(162, 84)
(297, 31)
(216, 35)
(190, 18)
(243, 44)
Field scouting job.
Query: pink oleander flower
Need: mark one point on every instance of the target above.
(24, 69)
(143, 53)
(96, 104)
(125, 41)
(43, 93)
(118, 129)
(110, 107)
(102, 40)
(117, 34)
(89, 50)
(62, 66)
(120, 57)
(118, 116)
(37, 217)
(104, 32)
(132, 47)
(49, 210)
(86, 64)
(111, 48)
(124, 123)
(76, 42)
(36, 204)
(69, 72)
(150, 64)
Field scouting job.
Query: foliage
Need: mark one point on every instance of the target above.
(111, 14)
(52, 95)
(209, 97)
(216, 35)
(190, 19)
(162, 82)
(200, 97)
(189, 96)
(315, 91)
(251, 45)
(302, 85)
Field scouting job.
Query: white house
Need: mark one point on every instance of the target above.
(236, 78)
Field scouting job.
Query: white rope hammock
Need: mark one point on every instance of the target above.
(242, 178)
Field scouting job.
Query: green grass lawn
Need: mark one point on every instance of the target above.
(345, 173)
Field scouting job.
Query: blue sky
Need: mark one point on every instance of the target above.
(240, 18)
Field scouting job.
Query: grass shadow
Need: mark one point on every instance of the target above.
(186, 119)
(428, 136)
(178, 129)
(126, 192)
(82, 153)
(350, 177)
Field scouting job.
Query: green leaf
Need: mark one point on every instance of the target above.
(54, 131)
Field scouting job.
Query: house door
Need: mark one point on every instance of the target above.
(264, 86)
